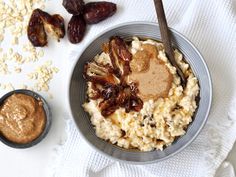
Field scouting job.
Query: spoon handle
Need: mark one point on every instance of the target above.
(166, 38)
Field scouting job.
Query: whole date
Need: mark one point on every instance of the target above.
(74, 7)
(90, 13)
(76, 29)
(95, 12)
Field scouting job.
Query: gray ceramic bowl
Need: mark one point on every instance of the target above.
(47, 125)
(77, 94)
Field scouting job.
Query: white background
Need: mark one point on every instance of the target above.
(33, 162)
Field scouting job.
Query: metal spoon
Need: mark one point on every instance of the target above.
(166, 38)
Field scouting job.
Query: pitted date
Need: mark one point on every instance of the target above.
(59, 26)
(120, 56)
(53, 24)
(76, 29)
(35, 31)
(42, 22)
(74, 7)
(95, 12)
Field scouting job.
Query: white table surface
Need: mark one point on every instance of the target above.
(33, 162)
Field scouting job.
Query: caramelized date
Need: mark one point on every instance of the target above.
(113, 90)
(105, 104)
(95, 12)
(105, 47)
(59, 26)
(115, 96)
(42, 22)
(95, 93)
(109, 110)
(99, 74)
(35, 31)
(74, 7)
(110, 91)
(136, 104)
(120, 48)
(131, 102)
(76, 29)
(120, 56)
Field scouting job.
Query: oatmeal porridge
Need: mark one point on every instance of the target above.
(136, 99)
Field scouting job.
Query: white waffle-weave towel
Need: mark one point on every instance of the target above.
(211, 26)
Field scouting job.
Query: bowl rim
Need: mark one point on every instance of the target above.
(48, 122)
(192, 138)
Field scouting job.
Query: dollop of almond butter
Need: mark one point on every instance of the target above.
(152, 75)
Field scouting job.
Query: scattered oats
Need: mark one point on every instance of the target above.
(33, 57)
(24, 48)
(9, 87)
(41, 53)
(1, 37)
(55, 70)
(27, 59)
(18, 70)
(38, 89)
(10, 51)
(45, 87)
(30, 76)
(15, 41)
(23, 12)
(18, 58)
(48, 63)
(3, 86)
(4, 68)
(14, 16)
(43, 75)
(35, 76)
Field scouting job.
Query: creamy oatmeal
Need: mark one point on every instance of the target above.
(162, 109)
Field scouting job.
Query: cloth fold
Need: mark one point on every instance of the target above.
(211, 27)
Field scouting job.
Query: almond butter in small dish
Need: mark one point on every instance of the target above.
(23, 119)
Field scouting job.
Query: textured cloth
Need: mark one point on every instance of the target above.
(210, 26)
